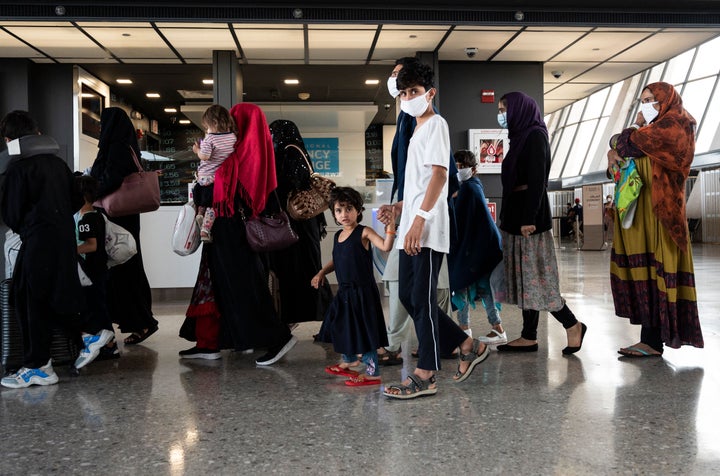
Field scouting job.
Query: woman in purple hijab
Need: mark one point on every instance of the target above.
(531, 272)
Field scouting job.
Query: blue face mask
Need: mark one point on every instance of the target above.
(502, 120)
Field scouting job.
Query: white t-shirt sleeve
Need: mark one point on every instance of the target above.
(438, 143)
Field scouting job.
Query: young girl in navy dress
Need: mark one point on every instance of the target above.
(354, 321)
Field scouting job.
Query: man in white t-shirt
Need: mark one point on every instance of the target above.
(424, 237)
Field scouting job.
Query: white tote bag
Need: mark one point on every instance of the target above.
(186, 233)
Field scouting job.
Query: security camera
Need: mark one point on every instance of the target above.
(471, 52)
(557, 73)
(386, 107)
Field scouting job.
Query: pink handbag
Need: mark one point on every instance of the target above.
(138, 193)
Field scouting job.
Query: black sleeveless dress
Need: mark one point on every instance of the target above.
(355, 321)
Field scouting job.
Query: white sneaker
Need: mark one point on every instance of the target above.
(496, 339)
(93, 344)
(25, 377)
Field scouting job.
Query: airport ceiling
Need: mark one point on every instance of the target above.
(166, 47)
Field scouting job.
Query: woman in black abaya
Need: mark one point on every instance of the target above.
(129, 298)
(295, 266)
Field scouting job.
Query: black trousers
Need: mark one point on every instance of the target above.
(437, 333)
(531, 318)
(96, 317)
(36, 320)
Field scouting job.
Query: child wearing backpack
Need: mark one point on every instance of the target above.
(97, 326)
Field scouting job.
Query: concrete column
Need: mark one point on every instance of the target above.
(227, 79)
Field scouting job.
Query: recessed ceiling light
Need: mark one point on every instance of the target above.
(292, 81)
(170, 109)
(124, 81)
(153, 95)
(184, 121)
(372, 81)
(208, 81)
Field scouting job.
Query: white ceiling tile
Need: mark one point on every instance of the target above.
(141, 42)
(406, 42)
(612, 72)
(339, 44)
(552, 105)
(665, 45)
(271, 45)
(329, 26)
(486, 42)
(199, 43)
(537, 46)
(61, 41)
(600, 46)
(568, 70)
(10, 47)
(442, 28)
(573, 91)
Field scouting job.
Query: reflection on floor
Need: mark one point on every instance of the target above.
(542, 413)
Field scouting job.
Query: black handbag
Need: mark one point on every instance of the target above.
(270, 232)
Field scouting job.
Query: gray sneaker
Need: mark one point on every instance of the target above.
(25, 377)
(93, 344)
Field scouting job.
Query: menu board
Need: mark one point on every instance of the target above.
(174, 179)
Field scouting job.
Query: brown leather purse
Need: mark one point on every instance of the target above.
(306, 204)
(270, 232)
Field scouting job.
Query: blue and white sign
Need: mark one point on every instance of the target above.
(324, 154)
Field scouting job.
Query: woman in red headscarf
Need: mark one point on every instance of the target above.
(651, 270)
(242, 185)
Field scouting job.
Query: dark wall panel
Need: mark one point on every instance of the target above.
(51, 103)
(460, 85)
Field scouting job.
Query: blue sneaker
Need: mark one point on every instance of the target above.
(93, 344)
(25, 377)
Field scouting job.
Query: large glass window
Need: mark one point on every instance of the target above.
(706, 62)
(580, 131)
(677, 68)
(710, 125)
(561, 153)
(695, 96)
(576, 156)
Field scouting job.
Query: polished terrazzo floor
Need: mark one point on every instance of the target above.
(592, 413)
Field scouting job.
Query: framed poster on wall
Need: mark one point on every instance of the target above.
(490, 147)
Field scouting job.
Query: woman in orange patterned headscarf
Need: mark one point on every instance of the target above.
(652, 275)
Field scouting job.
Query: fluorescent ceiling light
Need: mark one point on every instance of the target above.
(184, 121)
(87, 95)
(170, 109)
(124, 81)
(208, 81)
(152, 95)
(372, 81)
(292, 81)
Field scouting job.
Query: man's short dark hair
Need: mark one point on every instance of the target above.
(17, 124)
(415, 74)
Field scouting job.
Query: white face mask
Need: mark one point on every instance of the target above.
(502, 120)
(416, 107)
(465, 174)
(648, 111)
(392, 86)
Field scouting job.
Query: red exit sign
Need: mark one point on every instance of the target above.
(492, 206)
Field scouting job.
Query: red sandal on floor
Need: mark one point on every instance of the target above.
(340, 372)
(361, 381)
